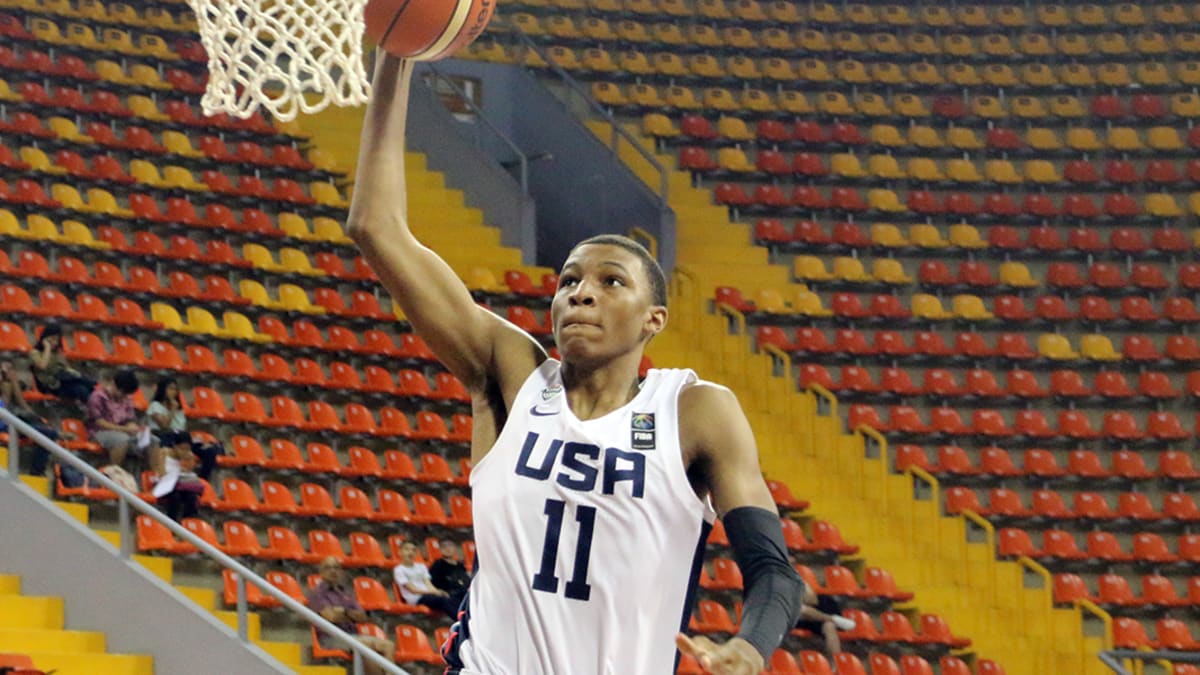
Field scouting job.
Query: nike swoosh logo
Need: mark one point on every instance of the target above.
(538, 413)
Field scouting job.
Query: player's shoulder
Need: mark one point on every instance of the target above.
(706, 400)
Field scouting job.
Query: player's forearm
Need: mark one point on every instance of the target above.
(379, 204)
(773, 593)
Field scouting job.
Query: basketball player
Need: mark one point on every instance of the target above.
(591, 490)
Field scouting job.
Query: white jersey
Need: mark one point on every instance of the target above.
(590, 538)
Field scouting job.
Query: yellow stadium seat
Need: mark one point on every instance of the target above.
(963, 138)
(657, 125)
(153, 46)
(120, 41)
(80, 35)
(959, 46)
(854, 72)
(1194, 208)
(704, 36)
(749, 10)
(972, 16)
(734, 128)
(675, 8)
(779, 70)
(1016, 275)
(887, 235)
(962, 170)
(1162, 205)
(670, 65)
(67, 131)
(1164, 138)
(1111, 44)
(834, 103)
(926, 236)
(1041, 171)
(1150, 43)
(1171, 14)
(1000, 75)
(1090, 15)
(890, 271)
(682, 98)
(295, 261)
(735, 160)
(862, 15)
(970, 308)
(778, 40)
(807, 303)
(38, 161)
(78, 234)
(928, 307)
(146, 108)
(484, 280)
(161, 312)
(757, 100)
(68, 196)
(260, 256)
(885, 200)
(40, 228)
(596, 28)
(963, 75)
(704, 65)
(562, 27)
(200, 321)
(814, 41)
(810, 268)
(873, 105)
(743, 68)
(846, 165)
(327, 194)
(239, 327)
(1010, 16)
(784, 12)
(897, 15)
(885, 44)
(633, 62)
(9, 225)
(795, 103)
(849, 42)
(924, 169)
(713, 9)
(293, 298)
(988, 107)
(256, 293)
(1152, 74)
(147, 173)
(884, 167)
(1083, 139)
(824, 13)
(925, 73)
(936, 16)
(1114, 75)
(7, 94)
(1001, 171)
(295, 226)
(1124, 139)
(996, 45)
(1053, 16)
(813, 70)
(179, 178)
(1067, 107)
(924, 137)
(100, 200)
(964, 235)
(1186, 105)
(1028, 108)
(646, 96)
(911, 106)
(1056, 347)
(1098, 348)
(122, 13)
(178, 144)
(851, 270)
(1187, 43)
(888, 73)
(1042, 138)
(885, 135)
(1038, 75)
(663, 33)
(1073, 45)
(721, 100)
(46, 30)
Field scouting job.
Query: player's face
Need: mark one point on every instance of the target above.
(603, 306)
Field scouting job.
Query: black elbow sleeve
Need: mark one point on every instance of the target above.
(773, 592)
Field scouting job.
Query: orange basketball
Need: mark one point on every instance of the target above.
(426, 30)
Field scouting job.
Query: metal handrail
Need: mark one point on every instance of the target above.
(617, 130)
(17, 428)
(523, 160)
(1113, 657)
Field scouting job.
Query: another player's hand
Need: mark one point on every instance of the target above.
(734, 657)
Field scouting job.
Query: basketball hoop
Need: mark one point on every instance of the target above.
(284, 56)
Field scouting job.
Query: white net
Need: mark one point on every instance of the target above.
(268, 54)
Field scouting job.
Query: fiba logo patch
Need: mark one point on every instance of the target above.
(550, 392)
(642, 430)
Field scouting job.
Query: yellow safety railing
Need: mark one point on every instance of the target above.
(645, 239)
(989, 534)
(738, 318)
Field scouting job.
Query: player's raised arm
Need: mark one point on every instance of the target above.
(773, 592)
(469, 340)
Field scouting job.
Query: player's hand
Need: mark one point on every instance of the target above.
(734, 657)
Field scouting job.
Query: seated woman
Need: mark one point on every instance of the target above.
(178, 489)
(165, 415)
(12, 397)
(52, 371)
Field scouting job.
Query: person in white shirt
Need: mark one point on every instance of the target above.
(412, 578)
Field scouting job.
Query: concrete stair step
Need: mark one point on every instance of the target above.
(160, 567)
(10, 584)
(320, 670)
(65, 663)
(288, 653)
(253, 622)
(79, 512)
(19, 611)
(39, 484)
(205, 597)
(49, 640)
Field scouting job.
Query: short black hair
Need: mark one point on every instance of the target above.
(160, 390)
(654, 271)
(126, 381)
(48, 331)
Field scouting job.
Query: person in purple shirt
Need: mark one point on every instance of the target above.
(334, 600)
(112, 420)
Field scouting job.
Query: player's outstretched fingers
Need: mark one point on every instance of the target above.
(699, 648)
(718, 659)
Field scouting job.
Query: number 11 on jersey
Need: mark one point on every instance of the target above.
(545, 580)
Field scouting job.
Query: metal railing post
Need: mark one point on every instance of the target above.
(127, 545)
(242, 616)
(14, 460)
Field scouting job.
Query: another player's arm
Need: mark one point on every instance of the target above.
(469, 340)
(773, 593)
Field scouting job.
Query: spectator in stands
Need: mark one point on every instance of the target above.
(822, 615)
(416, 587)
(12, 396)
(165, 414)
(334, 600)
(178, 489)
(53, 373)
(448, 573)
(112, 421)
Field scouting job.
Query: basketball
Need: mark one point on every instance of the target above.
(426, 30)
